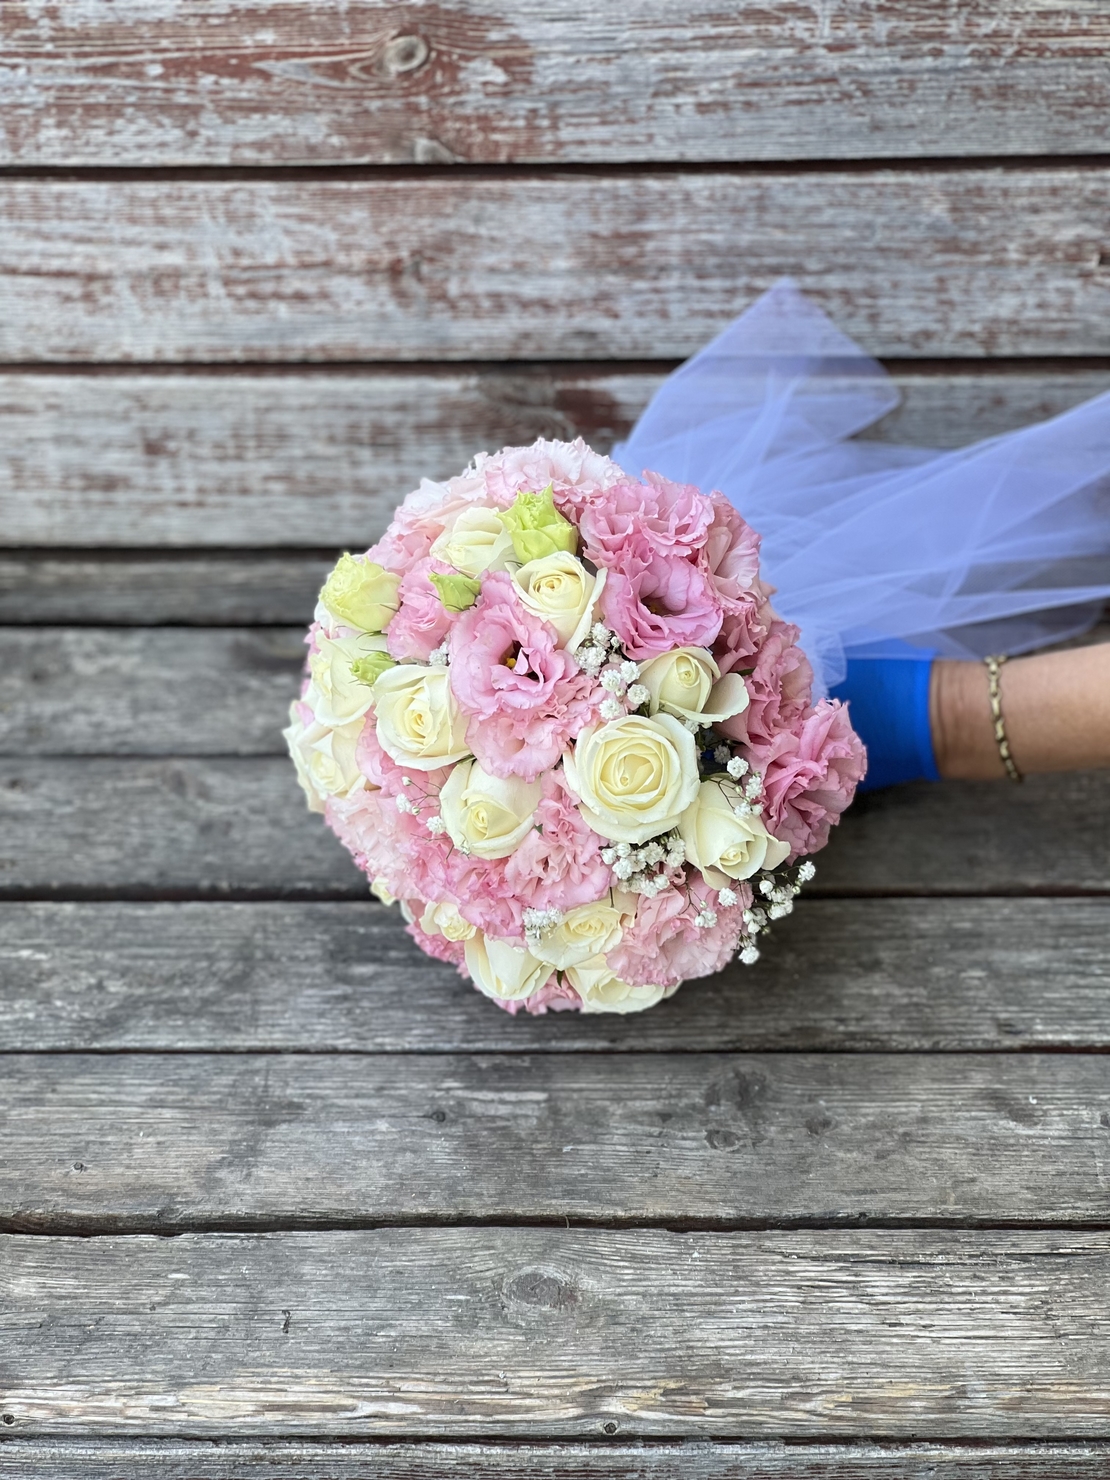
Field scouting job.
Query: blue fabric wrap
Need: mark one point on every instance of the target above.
(888, 695)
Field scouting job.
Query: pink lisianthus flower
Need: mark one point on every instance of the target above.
(664, 945)
(632, 524)
(558, 865)
(437, 946)
(575, 472)
(731, 554)
(553, 996)
(669, 604)
(422, 622)
(780, 688)
(810, 775)
(358, 822)
(743, 632)
(523, 715)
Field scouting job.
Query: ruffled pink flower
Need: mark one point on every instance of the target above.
(665, 946)
(358, 822)
(743, 632)
(437, 946)
(810, 775)
(575, 472)
(669, 604)
(731, 554)
(780, 688)
(523, 716)
(633, 523)
(558, 865)
(423, 517)
(422, 621)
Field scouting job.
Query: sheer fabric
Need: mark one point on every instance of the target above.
(1002, 546)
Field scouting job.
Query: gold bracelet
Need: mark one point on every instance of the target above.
(994, 665)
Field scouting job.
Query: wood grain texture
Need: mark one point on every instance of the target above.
(211, 82)
(321, 458)
(558, 1332)
(972, 262)
(140, 825)
(920, 974)
(177, 1459)
(150, 1143)
(80, 690)
(155, 590)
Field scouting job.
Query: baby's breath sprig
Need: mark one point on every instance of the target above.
(648, 868)
(778, 896)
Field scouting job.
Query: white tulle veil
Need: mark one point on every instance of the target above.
(1002, 546)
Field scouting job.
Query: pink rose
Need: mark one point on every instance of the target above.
(731, 554)
(810, 774)
(558, 865)
(669, 604)
(527, 697)
(421, 622)
(633, 523)
(779, 688)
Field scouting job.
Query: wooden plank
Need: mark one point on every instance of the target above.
(177, 1459)
(970, 262)
(321, 458)
(267, 82)
(147, 691)
(180, 825)
(156, 1144)
(147, 591)
(897, 974)
(558, 1332)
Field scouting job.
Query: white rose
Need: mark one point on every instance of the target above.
(380, 889)
(325, 759)
(336, 696)
(419, 723)
(477, 541)
(444, 919)
(723, 843)
(585, 931)
(688, 683)
(634, 777)
(485, 815)
(559, 589)
(601, 991)
(502, 970)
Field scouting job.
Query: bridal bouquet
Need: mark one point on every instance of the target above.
(553, 713)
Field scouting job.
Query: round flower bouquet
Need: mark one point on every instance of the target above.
(553, 714)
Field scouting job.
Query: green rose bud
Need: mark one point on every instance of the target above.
(537, 528)
(369, 669)
(361, 594)
(456, 592)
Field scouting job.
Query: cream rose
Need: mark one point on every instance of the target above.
(325, 759)
(477, 541)
(380, 889)
(601, 991)
(724, 843)
(585, 931)
(336, 697)
(688, 683)
(485, 815)
(502, 970)
(633, 777)
(419, 723)
(559, 589)
(444, 919)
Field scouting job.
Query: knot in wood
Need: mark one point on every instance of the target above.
(544, 1288)
(404, 54)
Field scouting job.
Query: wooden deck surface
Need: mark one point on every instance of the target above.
(281, 1198)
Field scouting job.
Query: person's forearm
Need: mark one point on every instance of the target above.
(1056, 708)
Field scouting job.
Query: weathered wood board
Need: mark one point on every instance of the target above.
(183, 825)
(605, 1459)
(273, 82)
(146, 1143)
(887, 974)
(554, 1331)
(319, 459)
(972, 262)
